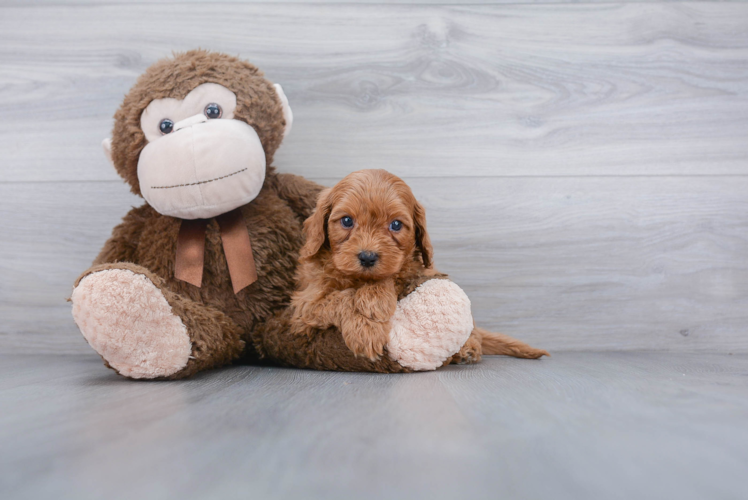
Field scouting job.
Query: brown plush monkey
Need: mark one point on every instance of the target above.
(190, 280)
(186, 278)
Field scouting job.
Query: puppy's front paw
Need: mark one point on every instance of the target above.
(366, 338)
(377, 301)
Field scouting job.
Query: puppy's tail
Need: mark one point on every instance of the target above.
(497, 343)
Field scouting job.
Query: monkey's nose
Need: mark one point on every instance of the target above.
(368, 259)
(188, 122)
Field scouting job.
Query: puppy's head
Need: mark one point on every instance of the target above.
(371, 225)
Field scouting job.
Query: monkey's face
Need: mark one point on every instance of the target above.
(196, 134)
(199, 161)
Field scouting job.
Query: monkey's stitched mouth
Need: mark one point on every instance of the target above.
(200, 182)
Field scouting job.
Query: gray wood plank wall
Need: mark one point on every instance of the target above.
(584, 166)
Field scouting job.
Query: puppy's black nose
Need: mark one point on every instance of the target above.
(368, 259)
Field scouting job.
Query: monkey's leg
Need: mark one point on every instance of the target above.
(143, 330)
(431, 324)
(281, 340)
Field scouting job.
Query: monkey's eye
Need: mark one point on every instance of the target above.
(166, 126)
(213, 110)
(396, 225)
(346, 222)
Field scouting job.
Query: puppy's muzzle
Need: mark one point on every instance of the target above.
(368, 259)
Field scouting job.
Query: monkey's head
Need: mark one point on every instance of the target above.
(196, 134)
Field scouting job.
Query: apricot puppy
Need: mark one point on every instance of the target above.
(366, 248)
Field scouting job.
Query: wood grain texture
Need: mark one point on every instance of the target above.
(646, 89)
(565, 263)
(576, 426)
(293, 3)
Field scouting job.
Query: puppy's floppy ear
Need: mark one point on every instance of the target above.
(423, 242)
(315, 227)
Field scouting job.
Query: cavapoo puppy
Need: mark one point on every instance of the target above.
(366, 248)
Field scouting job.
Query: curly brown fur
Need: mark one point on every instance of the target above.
(335, 287)
(339, 297)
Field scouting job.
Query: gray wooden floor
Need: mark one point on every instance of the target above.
(576, 426)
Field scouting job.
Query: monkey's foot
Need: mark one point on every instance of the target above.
(430, 325)
(128, 321)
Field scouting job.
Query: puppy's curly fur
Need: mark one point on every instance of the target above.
(367, 247)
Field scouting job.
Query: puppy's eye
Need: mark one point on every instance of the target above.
(396, 225)
(166, 126)
(346, 222)
(213, 110)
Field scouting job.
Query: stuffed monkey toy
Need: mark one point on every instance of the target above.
(188, 281)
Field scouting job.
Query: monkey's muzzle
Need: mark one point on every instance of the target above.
(202, 169)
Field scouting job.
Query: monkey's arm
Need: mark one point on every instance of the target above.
(121, 245)
(300, 193)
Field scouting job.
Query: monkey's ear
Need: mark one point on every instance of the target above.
(423, 242)
(287, 113)
(315, 227)
(107, 145)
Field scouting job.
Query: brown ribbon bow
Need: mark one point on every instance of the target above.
(236, 247)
